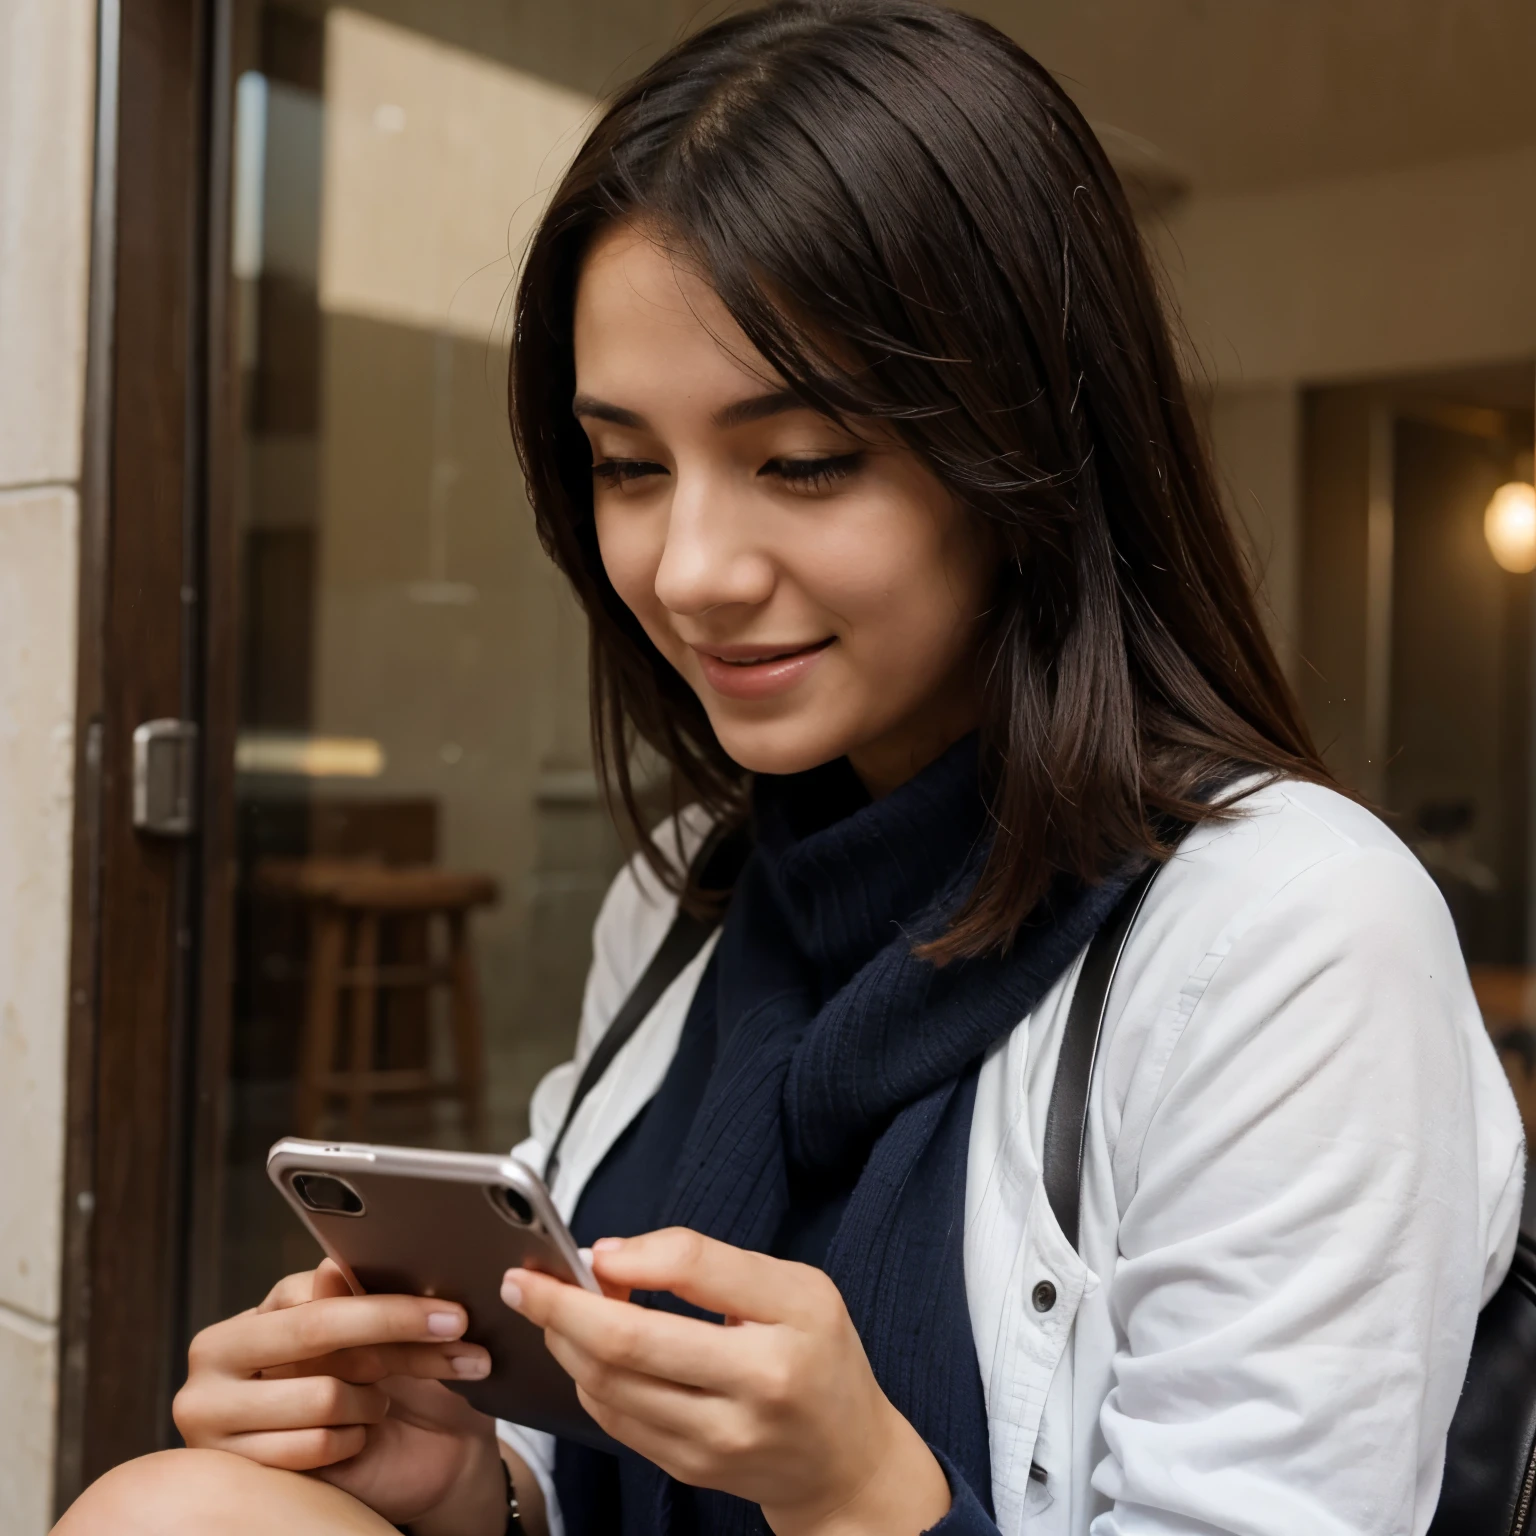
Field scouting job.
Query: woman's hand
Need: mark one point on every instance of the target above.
(348, 1387)
(781, 1408)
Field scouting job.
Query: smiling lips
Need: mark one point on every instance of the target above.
(757, 671)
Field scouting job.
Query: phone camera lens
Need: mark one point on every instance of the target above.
(322, 1192)
(517, 1204)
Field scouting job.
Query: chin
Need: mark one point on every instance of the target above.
(779, 746)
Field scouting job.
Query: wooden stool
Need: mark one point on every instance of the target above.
(347, 901)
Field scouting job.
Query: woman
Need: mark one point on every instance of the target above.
(847, 406)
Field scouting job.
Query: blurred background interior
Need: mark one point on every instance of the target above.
(403, 846)
(412, 674)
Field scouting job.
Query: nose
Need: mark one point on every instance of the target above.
(711, 559)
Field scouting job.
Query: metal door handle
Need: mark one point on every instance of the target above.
(165, 778)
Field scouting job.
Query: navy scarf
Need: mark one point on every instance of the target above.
(844, 1062)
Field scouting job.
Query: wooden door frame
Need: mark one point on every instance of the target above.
(134, 971)
(218, 648)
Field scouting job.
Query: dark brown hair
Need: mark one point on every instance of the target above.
(912, 222)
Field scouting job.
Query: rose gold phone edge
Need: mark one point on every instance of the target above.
(509, 1337)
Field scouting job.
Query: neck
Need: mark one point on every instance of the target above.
(888, 761)
(846, 873)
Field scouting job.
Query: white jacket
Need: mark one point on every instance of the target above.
(1303, 1178)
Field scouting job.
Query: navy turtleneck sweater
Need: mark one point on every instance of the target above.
(818, 1107)
(842, 899)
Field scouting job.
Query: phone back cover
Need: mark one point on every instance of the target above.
(438, 1237)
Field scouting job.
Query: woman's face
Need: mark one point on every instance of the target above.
(822, 593)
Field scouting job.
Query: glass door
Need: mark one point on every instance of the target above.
(419, 846)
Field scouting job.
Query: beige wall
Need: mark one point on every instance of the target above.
(1419, 269)
(1256, 438)
(46, 82)
(1411, 270)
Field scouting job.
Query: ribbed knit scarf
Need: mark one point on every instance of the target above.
(843, 1057)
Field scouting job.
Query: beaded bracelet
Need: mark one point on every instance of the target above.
(514, 1514)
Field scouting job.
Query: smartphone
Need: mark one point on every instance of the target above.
(405, 1220)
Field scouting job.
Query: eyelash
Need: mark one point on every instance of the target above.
(619, 471)
(813, 474)
(799, 475)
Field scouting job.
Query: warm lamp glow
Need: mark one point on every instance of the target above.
(309, 757)
(1509, 525)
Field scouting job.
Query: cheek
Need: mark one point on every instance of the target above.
(908, 588)
(631, 548)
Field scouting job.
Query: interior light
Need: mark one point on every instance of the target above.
(310, 757)
(1509, 525)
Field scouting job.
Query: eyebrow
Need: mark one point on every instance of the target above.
(737, 414)
(759, 407)
(601, 410)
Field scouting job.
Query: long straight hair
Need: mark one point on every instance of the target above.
(912, 223)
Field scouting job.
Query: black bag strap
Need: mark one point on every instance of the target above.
(1067, 1118)
(715, 868)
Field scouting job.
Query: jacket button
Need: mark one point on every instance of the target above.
(1044, 1296)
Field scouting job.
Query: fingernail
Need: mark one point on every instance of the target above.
(605, 1244)
(445, 1325)
(471, 1367)
(512, 1293)
(585, 1255)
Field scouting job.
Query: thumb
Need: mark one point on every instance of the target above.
(610, 1288)
(332, 1280)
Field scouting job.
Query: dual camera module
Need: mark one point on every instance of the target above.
(325, 1193)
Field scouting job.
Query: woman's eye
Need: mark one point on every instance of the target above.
(624, 472)
(809, 475)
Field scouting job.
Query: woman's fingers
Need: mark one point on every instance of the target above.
(642, 1437)
(621, 1334)
(330, 1279)
(424, 1362)
(297, 1402)
(691, 1457)
(327, 1279)
(300, 1450)
(618, 1292)
(289, 1292)
(668, 1406)
(372, 1363)
(621, 1390)
(253, 1341)
(735, 1282)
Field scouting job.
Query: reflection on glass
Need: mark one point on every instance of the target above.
(421, 847)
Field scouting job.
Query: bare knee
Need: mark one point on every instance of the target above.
(189, 1493)
(165, 1492)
